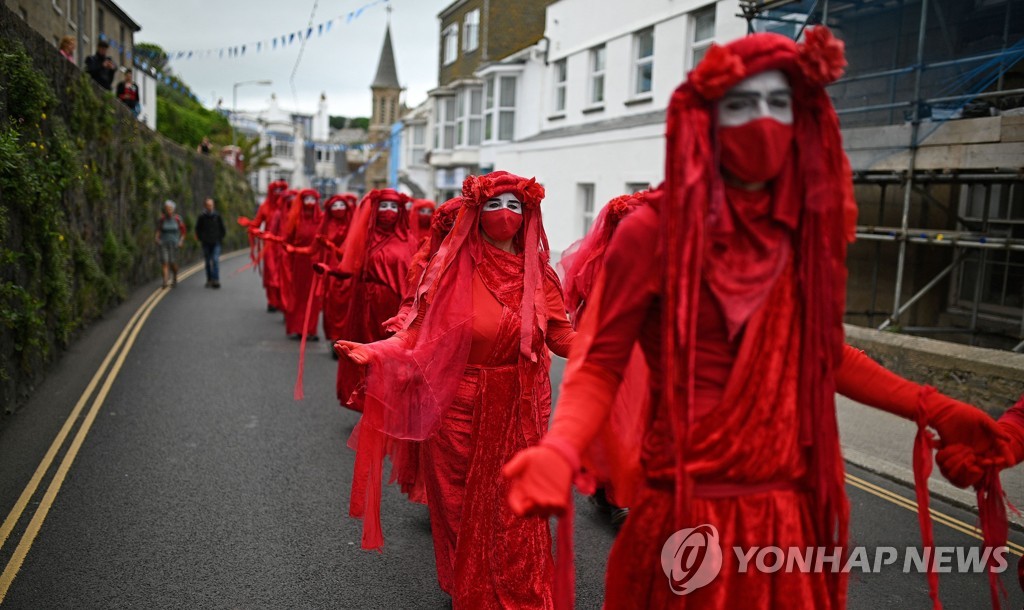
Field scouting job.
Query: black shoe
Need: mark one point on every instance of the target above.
(271, 309)
(215, 284)
(296, 337)
(334, 355)
(618, 516)
(312, 338)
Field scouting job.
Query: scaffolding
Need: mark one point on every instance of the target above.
(979, 235)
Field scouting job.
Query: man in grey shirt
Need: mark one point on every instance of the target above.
(170, 236)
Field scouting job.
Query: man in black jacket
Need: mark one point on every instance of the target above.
(101, 67)
(210, 231)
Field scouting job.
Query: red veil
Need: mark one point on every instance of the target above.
(418, 205)
(409, 388)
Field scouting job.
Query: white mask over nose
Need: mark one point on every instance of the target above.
(504, 201)
(763, 95)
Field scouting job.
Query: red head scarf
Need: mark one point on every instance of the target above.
(274, 192)
(363, 233)
(814, 193)
(418, 205)
(298, 208)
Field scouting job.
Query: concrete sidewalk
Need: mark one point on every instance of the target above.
(883, 443)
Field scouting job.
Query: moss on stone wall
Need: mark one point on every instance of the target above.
(81, 185)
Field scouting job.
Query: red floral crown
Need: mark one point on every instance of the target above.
(478, 189)
(818, 61)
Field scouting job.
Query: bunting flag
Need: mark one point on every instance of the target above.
(266, 44)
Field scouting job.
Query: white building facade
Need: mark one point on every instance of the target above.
(584, 110)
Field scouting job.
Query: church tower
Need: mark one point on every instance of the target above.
(386, 111)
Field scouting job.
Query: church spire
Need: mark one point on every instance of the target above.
(387, 75)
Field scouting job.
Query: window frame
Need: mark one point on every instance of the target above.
(594, 73)
(587, 205)
(639, 62)
(471, 31)
(450, 44)
(561, 81)
(418, 150)
(494, 91)
(703, 44)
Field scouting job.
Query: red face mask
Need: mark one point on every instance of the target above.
(424, 221)
(501, 225)
(757, 150)
(338, 212)
(387, 219)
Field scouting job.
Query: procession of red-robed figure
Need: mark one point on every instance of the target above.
(705, 350)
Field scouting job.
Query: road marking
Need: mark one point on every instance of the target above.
(911, 505)
(131, 331)
(58, 442)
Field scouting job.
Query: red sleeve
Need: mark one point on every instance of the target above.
(632, 273)
(181, 226)
(560, 333)
(864, 380)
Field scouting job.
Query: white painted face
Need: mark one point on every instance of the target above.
(309, 200)
(425, 212)
(387, 206)
(504, 201)
(338, 205)
(765, 94)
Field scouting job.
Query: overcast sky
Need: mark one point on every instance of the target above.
(341, 63)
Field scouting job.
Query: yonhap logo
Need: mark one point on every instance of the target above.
(691, 558)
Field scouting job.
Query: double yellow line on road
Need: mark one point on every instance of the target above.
(911, 505)
(117, 355)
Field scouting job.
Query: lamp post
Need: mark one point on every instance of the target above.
(234, 102)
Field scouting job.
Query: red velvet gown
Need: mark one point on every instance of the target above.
(374, 297)
(745, 456)
(487, 557)
(301, 274)
(269, 255)
(336, 290)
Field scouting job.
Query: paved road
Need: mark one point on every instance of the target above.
(202, 484)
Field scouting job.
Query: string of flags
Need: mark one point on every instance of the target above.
(270, 44)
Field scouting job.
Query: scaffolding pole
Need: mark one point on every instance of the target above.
(908, 186)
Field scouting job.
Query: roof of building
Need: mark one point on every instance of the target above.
(387, 75)
(122, 16)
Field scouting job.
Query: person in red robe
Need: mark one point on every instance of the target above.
(265, 257)
(420, 213)
(490, 307)
(340, 209)
(733, 283)
(378, 249)
(301, 228)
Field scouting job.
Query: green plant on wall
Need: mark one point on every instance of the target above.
(81, 183)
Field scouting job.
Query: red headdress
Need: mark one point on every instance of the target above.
(813, 196)
(363, 234)
(409, 389)
(418, 207)
(297, 207)
(350, 208)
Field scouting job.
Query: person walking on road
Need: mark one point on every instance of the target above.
(210, 232)
(170, 236)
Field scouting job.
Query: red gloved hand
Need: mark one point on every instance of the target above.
(290, 249)
(320, 268)
(960, 465)
(541, 481)
(962, 424)
(243, 221)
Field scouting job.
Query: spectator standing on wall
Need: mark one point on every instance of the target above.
(210, 232)
(100, 67)
(170, 236)
(204, 147)
(128, 93)
(67, 48)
